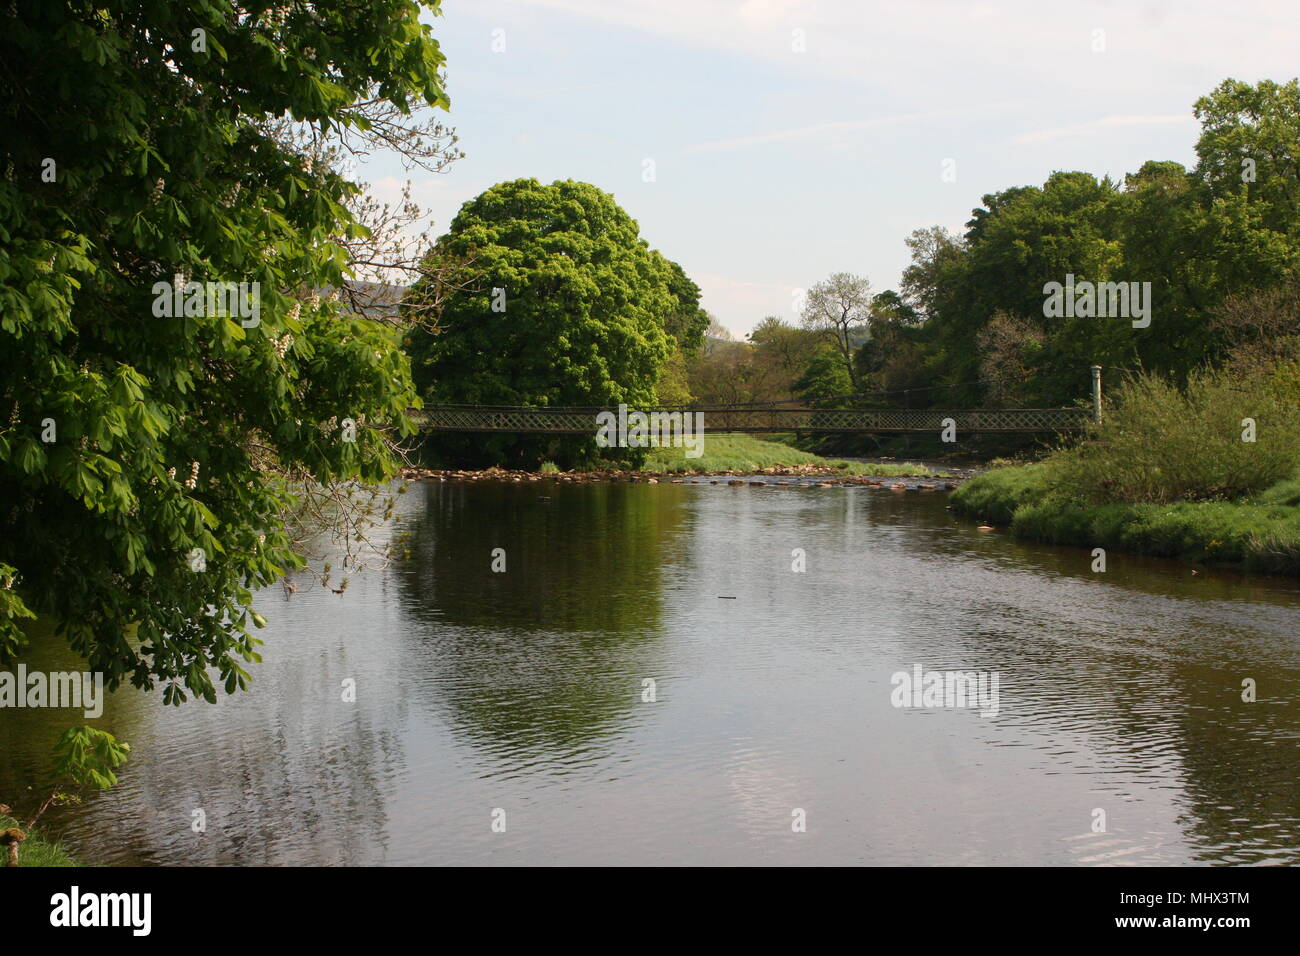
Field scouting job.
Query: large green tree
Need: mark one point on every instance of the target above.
(688, 322)
(889, 362)
(142, 455)
(1250, 146)
(570, 307)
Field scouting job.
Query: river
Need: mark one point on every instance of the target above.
(521, 698)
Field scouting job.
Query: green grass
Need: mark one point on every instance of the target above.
(1283, 493)
(549, 468)
(744, 453)
(995, 495)
(36, 850)
(1260, 533)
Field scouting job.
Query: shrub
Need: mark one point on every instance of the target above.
(1160, 444)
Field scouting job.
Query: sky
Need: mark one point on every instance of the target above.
(765, 144)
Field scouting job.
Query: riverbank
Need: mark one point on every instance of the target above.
(36, 850)
(725, 456)
(1260, 533)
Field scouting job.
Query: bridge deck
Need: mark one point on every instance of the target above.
(583, 421)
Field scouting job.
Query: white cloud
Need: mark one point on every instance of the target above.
(729, 296)
(1099, 125)
(953, 49)
(812, 132)
(425, 190)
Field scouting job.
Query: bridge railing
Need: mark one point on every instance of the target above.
(583, 420)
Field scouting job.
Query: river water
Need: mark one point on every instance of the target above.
(521, 698)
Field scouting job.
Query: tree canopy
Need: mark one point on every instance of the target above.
(569, 307)
(142, 455)
(968, 324)
(1197, 236)
(839, 308)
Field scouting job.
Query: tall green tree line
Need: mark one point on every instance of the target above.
(1227, 226)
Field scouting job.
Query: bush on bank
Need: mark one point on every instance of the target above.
(1168, 473)
(1220, 438)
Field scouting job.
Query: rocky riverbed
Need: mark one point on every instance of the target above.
(784, 476)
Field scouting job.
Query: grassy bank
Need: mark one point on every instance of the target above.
(746, 454)
(36, 850)
(1208, 471)
(1259, 533)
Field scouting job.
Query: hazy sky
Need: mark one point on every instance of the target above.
(782, 156)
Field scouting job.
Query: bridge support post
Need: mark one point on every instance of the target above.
(1096, 394)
